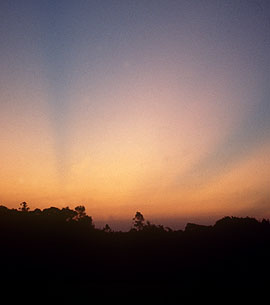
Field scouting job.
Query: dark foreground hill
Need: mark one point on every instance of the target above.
(63, 246)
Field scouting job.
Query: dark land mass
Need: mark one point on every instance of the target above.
(56, 248)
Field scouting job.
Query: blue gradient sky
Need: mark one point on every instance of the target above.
(158, 106)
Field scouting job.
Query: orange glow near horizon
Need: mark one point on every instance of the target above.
(138, 162)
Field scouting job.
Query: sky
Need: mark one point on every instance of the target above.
(123, 106)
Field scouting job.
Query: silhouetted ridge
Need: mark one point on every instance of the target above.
(236, 222)
(196, 228)
(64, 245)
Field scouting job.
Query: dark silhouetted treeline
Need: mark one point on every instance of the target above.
(64, 245)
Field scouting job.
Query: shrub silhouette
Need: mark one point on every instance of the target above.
(107, 228)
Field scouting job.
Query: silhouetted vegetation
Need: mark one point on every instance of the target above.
(64, 245)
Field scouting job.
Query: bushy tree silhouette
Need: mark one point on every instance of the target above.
(24, 207)
(138, 221)
(80, 210)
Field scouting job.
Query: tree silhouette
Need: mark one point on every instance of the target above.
(68, 214)
(80, 209)
(24, 207)
(138, 221)
(107, 228)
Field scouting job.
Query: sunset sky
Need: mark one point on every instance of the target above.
(122, 106)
